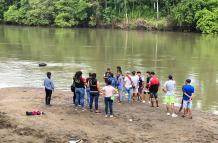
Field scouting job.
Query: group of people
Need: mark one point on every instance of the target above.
(117, 87)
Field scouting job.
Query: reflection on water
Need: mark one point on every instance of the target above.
(65, 51)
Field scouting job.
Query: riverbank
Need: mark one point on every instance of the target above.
(62, 122)
(137, 24)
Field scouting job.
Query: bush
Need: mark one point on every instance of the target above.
(207, 21)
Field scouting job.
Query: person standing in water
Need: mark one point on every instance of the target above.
(169, 88)
(49, 87)
(188, 91)
(79, 89)
(153, 89)
(94, 92)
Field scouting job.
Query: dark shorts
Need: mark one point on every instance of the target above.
(153, 91)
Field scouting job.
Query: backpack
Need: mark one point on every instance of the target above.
(93, 85)
(92, 82)
(140, 81)
(113, 81)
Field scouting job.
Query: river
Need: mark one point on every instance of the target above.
(184, 55)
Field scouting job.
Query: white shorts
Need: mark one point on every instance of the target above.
(187, 104)
(135, 90)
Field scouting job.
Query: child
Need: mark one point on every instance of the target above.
(109, 91)
(188, 91)
(49, 87)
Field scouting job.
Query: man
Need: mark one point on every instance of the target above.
(141, 87)
(148, 77)
(128, 85)
(120, 83)
(188, 91)
(153, 89)
(135, 81)
(49, 87)
(107, 74)
(169, 89)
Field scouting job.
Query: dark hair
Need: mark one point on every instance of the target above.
(170, 77)
(148, 72)
(93, 75)
(78, 75)
(188, 80)
(138, 72)
(119, 69)
(133, 72)
(111, 75)
(108, 82)
(108, 69)
(90, 74)
(48, 74)
(152, 73)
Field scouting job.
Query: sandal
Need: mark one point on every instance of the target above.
(183, 116)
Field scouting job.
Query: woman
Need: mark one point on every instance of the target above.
(93, 84)
(79, 89)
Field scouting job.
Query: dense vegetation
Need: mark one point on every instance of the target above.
(200, 15)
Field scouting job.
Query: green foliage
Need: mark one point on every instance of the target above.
(40, 13)
(207, 21)
(184, 12)
(200, 14)
(12, 15)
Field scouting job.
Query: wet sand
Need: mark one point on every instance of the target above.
(62, 122)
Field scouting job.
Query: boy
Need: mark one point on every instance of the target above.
(188, 91)
(49, 87)
(141, 87)
(169, 89)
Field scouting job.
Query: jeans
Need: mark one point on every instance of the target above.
(129, 92)
(80, 93)
(121, 95)
(108, 104)
(48, 96)
(94, 96)
(88, 96)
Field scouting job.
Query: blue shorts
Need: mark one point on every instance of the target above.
(187, 104)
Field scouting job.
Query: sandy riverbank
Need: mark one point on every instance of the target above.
(62, 122)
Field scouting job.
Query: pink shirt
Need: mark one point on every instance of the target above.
(109, 90)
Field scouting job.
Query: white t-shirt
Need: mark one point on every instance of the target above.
(135, 80)
(170, 87)
(128, 83)
(109, 90)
